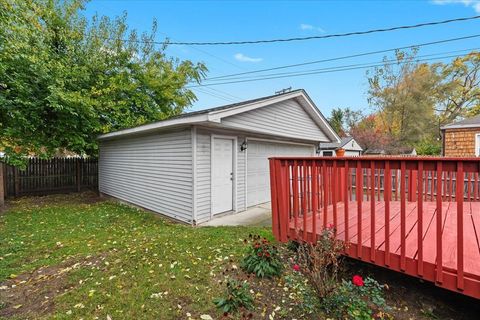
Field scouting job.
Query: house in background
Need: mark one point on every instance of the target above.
(462, 138)
(351, 147)
(197, 165)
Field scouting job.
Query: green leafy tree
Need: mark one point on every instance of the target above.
(343, 120)
(401, 93)
(65, 79)
(458, 92)
(336, 121)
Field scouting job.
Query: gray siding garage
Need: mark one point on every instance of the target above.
(209, 162)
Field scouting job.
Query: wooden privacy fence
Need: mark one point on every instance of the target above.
(419, 216)
(57, 175)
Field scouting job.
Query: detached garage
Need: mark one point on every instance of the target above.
(200, 164)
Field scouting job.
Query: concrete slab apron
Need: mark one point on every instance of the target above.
(260, 215)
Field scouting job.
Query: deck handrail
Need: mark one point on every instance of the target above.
(308, 192)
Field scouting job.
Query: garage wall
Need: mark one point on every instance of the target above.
(203, 187)
(285, 118)
(258, 171)
(152, 171)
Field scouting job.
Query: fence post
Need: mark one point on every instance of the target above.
(16, 182)
(2, 189)
(79, 174)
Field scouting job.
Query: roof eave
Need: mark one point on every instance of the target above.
(202, 118)
(461, 126)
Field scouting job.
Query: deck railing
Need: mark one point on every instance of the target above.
(417, 215)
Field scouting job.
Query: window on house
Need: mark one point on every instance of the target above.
(327, 153)
(477, 145)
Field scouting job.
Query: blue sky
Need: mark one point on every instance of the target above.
(251, 20)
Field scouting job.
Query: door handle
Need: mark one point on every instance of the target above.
(231, 176)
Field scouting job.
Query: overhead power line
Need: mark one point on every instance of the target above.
(336, 35)
(418, 45)
(331, 70)
(417, 58)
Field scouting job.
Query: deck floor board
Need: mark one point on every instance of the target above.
(471, 227)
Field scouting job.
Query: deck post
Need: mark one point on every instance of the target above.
(387, 195)
(314, 201)
(325, 193)
(346, 200)
(273, 193)
(359, 181)
(334, 195)
(372, 211)
(295, 212)
(459, 197)
(420, 219)
(439, 263)
(403, 217)
(412, 185)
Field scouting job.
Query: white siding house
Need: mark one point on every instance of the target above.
(196, 165)
(351, 147)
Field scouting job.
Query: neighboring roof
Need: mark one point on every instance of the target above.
(336, 145)
(375, 151)
(214, 115)
(399, 151)
(473, 122)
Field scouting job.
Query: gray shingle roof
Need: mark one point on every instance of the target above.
(467, 123)
(335, 145)
(232, 105)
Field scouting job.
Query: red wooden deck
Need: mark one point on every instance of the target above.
(414, 225)
(394, 247)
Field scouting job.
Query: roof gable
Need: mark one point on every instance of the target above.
(215, 115)
(347, 143)
(285, 118)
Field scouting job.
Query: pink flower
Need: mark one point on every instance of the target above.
(331, 226)
(357, 280)
(296, 267)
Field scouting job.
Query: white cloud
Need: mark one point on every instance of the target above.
(243, 58)
(475, 4)
(305, 26)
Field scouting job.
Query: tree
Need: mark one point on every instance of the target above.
(458, 91)
(368, 134)
(336, 121)
(343, 120)
(64, 80)
(401, 93)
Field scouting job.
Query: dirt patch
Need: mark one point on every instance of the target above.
(33, 294)
(87, 197)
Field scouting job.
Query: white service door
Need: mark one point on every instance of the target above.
(222, 175)
(258, 171)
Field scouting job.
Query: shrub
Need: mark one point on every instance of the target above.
(302, 292)
(320, 262)
(238, 296)
(262, 258)
(292, 245)
(357, 299)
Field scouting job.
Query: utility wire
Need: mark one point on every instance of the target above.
(337, 35)
(202, 90)
(338, 69)
(345, 57)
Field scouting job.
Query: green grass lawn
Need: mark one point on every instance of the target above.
(110, 260)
